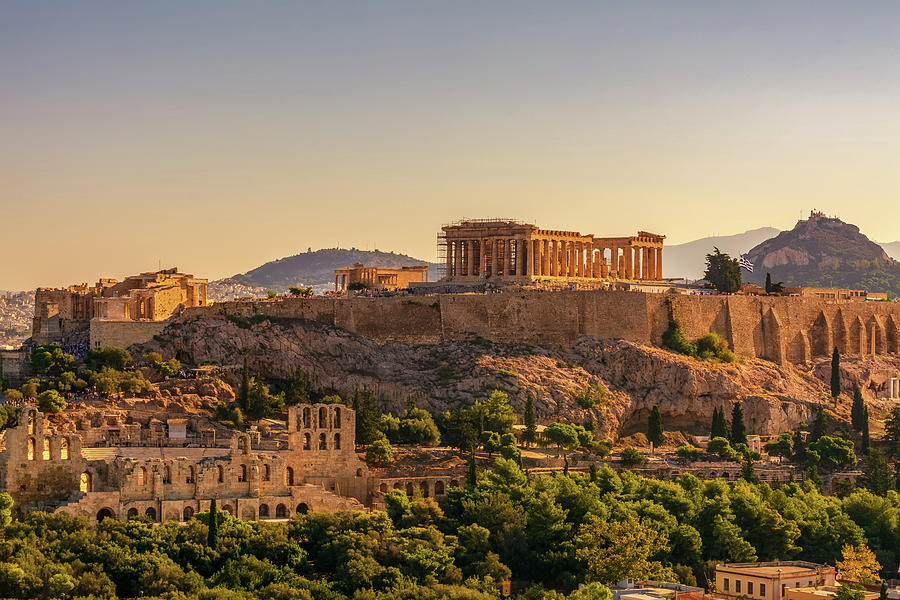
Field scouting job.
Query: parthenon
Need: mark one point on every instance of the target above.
(517, 252)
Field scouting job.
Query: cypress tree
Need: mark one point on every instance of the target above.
(865, 430)
(883, 594)
(719, 427)
(212, 539)
(857, 410)
(244, 390)
(819, 426)
(655, 427)
(768, 283)
(593, 473)
(738, 429)
(835, 375)
(812, 475)
(530, 432)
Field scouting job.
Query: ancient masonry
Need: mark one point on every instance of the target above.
(378, 278)
(781, 329)
(115, 311)
(510, 251)
(44, 469)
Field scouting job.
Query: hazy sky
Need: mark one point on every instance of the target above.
(218, 135)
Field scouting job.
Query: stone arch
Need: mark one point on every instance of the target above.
(893, 335)
(383, 488)
(289, 476)
(307, 417)
(31, 448)
(337, 417)
(132, 513)
(307, 442)
(265, 473)
(337, 441)
(323, 417)
(45, 449)
(141, 476)
(188, 513)
(302, 508)
(150, 512)
(228, 508)
(86, 483)
(243, 476)
(821, 336)
(263, 511)
(426, 488)
(841, 335)
(64, 449)
(878, 345)
(398, 485)
(439, 488)
(323, 442)
(281, 511)
(410, 489)
(167, 475)
(359, 472)
(105, 513)
(30, 422)
(220, 471)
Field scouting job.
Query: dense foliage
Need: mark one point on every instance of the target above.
(556, 531)
(723, 272)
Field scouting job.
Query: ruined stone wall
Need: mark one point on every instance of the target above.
(782, 329)
(123, 334)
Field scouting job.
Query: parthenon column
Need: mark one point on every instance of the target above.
(589, 257)
(659, 271)
(510, 261)
(521, 256)
(545, 257)
(580, 257)
(564, 258)
(651, 266)
(628, 261)
(448, 270)
(553, 262)
(534, 259)
(457, 258)
(638, 266)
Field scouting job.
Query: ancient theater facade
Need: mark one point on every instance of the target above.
(514, 252)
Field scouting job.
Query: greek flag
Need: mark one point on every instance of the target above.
(745, 263)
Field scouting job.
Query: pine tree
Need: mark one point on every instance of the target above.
(244, 390)
(212, 539)
(857, 410)
(738, 429)
(812, 475)
(472, 474)
(593, 473)
(297, 391)
(835, 375)
(865, 431)
(819, 426)
(747, 472)
(530, 433)
(655, 427)
(368, 416)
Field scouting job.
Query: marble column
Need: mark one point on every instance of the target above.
(545, 257)
(659, 269)
(510, 259)
(554, 259)
(448, 271)
(628, 261)
(534, 261)
(638, 267)
(589, 266)
(651, 267)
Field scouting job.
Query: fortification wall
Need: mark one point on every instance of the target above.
(123, 334)
(783, 329)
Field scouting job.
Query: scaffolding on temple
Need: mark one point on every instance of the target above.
(442, 250)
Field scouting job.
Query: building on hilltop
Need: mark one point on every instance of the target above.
(769, 580)
(151, 297)
(506, 251)
(169, 470)
(378, 278)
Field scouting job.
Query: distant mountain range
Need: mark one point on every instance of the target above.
(689, 260)
(316, 268)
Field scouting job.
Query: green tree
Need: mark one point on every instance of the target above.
(212, 539)
(687, 452)
(51, 402)
(719, 426)
(877, 476)
(109, 356)
(835, 374)
(297, 391)
(655, 427)
(530, 433)
(859, 564)
(857, 410)
(471, 469)
(50, 359)
(783, 447)
(834, 452)
(819, 426)
(723, 272)
(612, 551)
(866, 442)
(368, 417)
(244, 390)
(379, 452)
(6, 503)
(892, 431)
(631, 457)
(738, 429)
(490, 442)
(261, 403)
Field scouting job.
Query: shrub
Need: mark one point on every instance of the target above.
(590, 396)
(673, 338)
(631, 457)
(379, 452)
(109, 356)
(688, 452)
(51, 402)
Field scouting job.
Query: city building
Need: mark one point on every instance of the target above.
(769, 580)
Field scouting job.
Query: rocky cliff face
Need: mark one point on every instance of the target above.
(626, 380)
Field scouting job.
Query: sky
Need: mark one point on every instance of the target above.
(217, 135)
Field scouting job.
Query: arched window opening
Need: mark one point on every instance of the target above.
(306, 441)
(383, 488)
(409, 489)
(425, 488)
(398, 485)
(289, 476)
(263, 511)
(439, 488)
(306, 417)
(454, 483)
(45, 455)
(167, 475)
(265, 473)
(188, 513)
(246, 447)
(191, 475)
(229, 509)
(323, 417)
(337, 418)
(337, 441)
(105, 513)
(151, 512)
(132, 513)
(221, 473)
(86, 484)
(302, 508)
(64, 449)
(142, 476)
(281, 511)
(31, 422)
(243, 476)
(323, 443)
(359, 472)
(30, 448)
